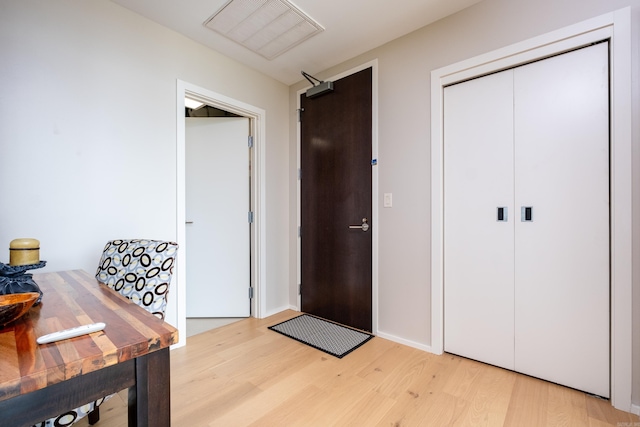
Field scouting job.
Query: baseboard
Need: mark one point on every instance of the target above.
(406, 342)
(635, 409)
(277, 310)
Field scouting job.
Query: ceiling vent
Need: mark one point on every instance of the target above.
(266, 27)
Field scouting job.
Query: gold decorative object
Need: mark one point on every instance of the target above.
(24, 251)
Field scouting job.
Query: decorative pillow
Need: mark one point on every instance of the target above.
(71, 417)
(140, 270)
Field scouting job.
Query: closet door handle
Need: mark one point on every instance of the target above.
(502, 214)
(526, 213)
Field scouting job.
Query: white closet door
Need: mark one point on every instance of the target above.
(478, 252)
(217, 201)
(562, 255)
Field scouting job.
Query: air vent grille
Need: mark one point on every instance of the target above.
(266, 27)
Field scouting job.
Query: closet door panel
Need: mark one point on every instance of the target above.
(562, 256)
(478, 254)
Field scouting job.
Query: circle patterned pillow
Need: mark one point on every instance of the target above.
(140, 270)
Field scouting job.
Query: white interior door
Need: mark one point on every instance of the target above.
(217, 206)
(478, 255)
(562, 255)
(532, 296)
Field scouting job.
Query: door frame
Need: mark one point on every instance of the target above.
(615, 26)
(374, 186)
(258, 251)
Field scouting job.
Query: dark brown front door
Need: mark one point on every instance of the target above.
(335, 160)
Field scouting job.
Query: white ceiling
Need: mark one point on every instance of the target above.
(351, 27)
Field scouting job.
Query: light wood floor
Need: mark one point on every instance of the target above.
(198, 325)
(243, 374)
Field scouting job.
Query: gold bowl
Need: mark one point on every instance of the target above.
(14, 306)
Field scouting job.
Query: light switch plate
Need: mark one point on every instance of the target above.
(388, 200)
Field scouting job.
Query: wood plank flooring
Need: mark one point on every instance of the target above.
(243, 374)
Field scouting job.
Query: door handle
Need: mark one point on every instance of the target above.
(526, 213)
(364, 226)
(502, 214)
(188, 222)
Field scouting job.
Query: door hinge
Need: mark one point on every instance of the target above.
(300, 289)
(299, 231)
(250, 292)
(250, 141)
(300, 111)
(250, 217)
(299, 174)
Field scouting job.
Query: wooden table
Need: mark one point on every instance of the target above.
(41, 381)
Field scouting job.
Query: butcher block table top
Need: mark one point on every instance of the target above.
(74, 298)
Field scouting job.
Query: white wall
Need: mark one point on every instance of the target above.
(88, 131)
(404, 145)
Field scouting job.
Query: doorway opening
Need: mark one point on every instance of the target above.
(218, 103)
(218, 200)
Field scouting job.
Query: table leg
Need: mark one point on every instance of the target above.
(150, 397)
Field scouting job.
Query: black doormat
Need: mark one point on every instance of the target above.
(332, 338)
